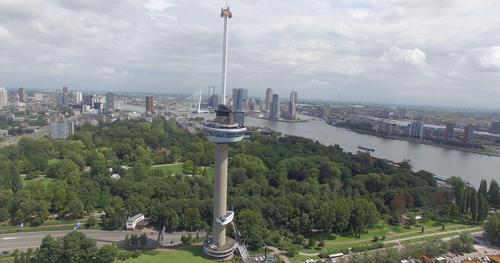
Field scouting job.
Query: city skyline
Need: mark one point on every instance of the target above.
(323, 48)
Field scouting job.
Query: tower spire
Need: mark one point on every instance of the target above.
(226, 14)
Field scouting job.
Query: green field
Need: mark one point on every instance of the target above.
(193, 254)
(172, 169)
(169, 169)
(391, 233)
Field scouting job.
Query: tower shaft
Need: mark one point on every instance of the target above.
(224, 60)
(220, 192)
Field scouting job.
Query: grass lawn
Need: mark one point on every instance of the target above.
(172, 169)
(45, 181)
(391, 233)
(192, 254)
(169, 169)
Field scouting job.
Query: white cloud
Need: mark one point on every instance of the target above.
(412, 57)
(490, 59)
(369, 48)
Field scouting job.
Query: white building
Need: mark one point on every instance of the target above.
(4, 98)
(133, 221)
(77, 97)
(61, 129)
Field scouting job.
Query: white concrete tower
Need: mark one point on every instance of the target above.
(223, 131)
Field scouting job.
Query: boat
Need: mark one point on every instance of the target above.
(366, 149)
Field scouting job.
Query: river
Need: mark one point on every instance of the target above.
(470, 167)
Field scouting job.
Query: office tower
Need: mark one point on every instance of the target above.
(223, 131)
(65, 96)
(110, 103)
(240, 99)
(213, 101)
(292, 105)
(416, 129)
(468, 134)
(77, 97)
(449, 132)
(211, 91)
(269, 99)
(23, 97)
(150, 104)
(61, 130)
(4, 98)
(275, 107)
(88, 99)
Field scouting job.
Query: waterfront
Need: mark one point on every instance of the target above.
(444, 162)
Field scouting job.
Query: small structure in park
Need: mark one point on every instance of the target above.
(136, 221)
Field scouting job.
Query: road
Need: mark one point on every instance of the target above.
(23, 241)
(15, 139)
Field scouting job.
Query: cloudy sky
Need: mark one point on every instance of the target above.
(431, 52)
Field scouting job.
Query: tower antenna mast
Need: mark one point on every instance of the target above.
(226, 14)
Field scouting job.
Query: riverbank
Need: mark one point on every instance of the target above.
(416, 141)
(280, 120)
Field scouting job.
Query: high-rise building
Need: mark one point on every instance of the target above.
(61, 130)
(269, 100)
(292, 105)
(213, 101)
(240, 99)
(65, 96)
(468, 134)
(150, 104)
(275, 107)
(416, 129)
(88, 99)
(77, 97)
(223, 131)
(211, 91)
(23, 97)
(449, 133)
(4, 98)
(110, 103)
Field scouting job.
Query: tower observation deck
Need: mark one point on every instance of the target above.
(223, 131)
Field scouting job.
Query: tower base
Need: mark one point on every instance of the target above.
(212, 250)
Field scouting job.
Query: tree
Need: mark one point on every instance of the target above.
(463, 243)
(494, 194)
(143, 240)
(482, 208)
(78, 248)
(252, 227)
(253, 165)
(483, 188)
(492, 228)
(75, 208)
(114, 215)
(192, 218)
(107, 254)
(473, 205)
(62, 169)
(50, 250)
(134, 240)
(186, 240)
(187, 167)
